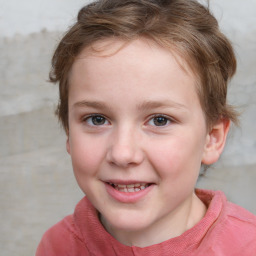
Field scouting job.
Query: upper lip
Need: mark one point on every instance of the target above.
(126, 182)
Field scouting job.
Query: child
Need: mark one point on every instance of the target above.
(143, 87)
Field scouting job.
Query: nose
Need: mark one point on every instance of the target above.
(125, 149)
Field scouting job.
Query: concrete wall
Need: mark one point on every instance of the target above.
(37, 187)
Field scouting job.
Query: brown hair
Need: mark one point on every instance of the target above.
(183, 25)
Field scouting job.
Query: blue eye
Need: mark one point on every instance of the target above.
(96, 120)
(159, 121)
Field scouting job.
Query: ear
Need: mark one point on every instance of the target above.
(215, 141)
(67, 144)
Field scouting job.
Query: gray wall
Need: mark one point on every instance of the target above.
(37, 187)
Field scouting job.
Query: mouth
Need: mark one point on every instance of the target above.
(128, 191)
(130, 188)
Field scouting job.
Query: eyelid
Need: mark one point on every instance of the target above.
(170, 119)
(86, 117)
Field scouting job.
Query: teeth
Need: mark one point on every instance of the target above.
(120, 186)
(130, 187)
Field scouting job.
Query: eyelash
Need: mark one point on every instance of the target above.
(90, 117)
(166, 118)
(89, 120)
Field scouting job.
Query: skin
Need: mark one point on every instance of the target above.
(149, 127)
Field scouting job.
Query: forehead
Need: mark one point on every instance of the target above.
(133, 51)
(134, 71)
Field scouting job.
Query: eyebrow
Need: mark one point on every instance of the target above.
(147, 105)
(92, 104)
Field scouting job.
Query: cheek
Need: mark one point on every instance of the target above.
(176, 158)
(166, 159)
(86, 155)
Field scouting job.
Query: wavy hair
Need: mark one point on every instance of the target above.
(183, 25)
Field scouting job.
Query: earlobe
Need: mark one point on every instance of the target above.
(68, 145)
(215, 142)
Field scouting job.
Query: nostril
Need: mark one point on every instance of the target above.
(121, 156)
(124, 154)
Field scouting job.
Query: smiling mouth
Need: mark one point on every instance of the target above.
(131, 187)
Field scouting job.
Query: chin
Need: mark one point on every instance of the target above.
(128, 222)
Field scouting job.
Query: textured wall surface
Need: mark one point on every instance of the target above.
(37, 187)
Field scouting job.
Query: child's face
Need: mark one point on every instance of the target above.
(135, 124)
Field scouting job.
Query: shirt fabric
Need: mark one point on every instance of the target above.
(225, 230)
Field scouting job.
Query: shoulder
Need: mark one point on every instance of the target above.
(236, 232)
(233, 232)
(240, 220)
(225, 211)
(63, 238)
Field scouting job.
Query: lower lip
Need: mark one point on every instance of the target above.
(128, 197)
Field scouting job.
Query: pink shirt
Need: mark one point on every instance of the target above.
(226, 230)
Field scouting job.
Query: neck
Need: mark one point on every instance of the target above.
(170, 226)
